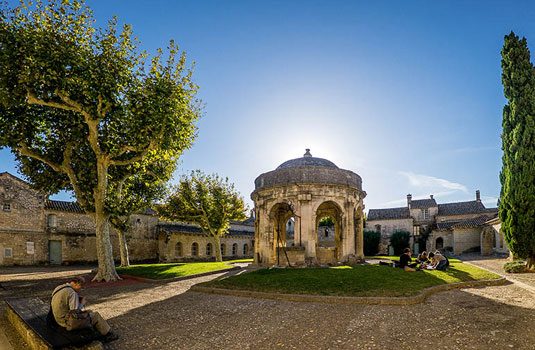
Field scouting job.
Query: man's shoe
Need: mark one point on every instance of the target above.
(110, 336)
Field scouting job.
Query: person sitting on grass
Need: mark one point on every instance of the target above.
(65, 297)
(438, 261)
(422, 258)
(405, 261)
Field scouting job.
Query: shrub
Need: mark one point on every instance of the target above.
(399, 241)
(371, 242)
(328, 221)
(517, 266)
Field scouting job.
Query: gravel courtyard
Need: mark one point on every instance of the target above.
(168, 316)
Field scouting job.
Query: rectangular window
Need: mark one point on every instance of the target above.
(425, 214)
(416, 230)
(8, 253)
(6, 207)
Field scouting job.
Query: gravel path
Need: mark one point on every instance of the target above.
(168, 316)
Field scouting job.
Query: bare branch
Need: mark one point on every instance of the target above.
(26, 151)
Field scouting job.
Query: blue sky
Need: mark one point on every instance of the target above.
(407, 94)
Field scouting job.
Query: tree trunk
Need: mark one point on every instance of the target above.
(106, 265)
(218, 255)
(123, 247)
(530, 262)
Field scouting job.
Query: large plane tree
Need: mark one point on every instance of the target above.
(517, 197)
(81, 106)
(206, 200)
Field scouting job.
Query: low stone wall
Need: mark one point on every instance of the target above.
(352, 300)
(29, 336)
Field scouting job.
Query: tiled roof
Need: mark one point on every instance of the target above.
(473, 222)
(148, 211)
(446, 225)
(460, 208)
(72, 207)
(184, 228)
(423, 203)
(388, 214)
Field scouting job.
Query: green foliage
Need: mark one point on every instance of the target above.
(328, 221)
(517, 266)
(371, 242)
(83, 109)
(206, 200)
(400, 240)
(517, 176)
(365, 280)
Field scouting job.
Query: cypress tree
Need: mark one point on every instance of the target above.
(517, 202)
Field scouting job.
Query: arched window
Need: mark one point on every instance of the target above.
(52, 221)
(195, 249)
(209, 249)
(235, 249)
(223, 249)
(245, 249)
(440, 243)
(178, 249)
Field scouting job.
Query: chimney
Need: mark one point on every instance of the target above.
(431, 196)
(478, 197)
(409, 200)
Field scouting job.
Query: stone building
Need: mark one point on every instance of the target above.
(303, 191)
(457, 227)
(183, 242)
(36, 230)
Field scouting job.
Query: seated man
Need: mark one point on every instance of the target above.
(65, 297)
(438, 261)
(405, 261)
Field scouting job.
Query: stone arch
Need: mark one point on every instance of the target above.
(279, 214)
(328, 252)
(488, 241)
(439, 243)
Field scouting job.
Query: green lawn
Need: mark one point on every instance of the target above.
(397, 258)
(160, 271)
(366, 280)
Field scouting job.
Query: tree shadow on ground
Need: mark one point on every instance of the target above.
(454, 319)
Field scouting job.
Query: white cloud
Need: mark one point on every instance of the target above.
(489, 202)
(431, 184)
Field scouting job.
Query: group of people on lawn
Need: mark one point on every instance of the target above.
(424, 261)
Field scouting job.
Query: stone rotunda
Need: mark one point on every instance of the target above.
(289, 203)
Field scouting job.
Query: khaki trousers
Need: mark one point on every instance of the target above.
(100, 324)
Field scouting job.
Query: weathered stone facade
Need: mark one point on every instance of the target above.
(182, 242)
(456, 227)
(305, 190)
(35, 230)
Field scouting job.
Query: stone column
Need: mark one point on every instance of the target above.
(348, 232)
(308, 230)
(360, 236)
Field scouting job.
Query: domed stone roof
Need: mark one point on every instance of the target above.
(307, 160)
(307, 170)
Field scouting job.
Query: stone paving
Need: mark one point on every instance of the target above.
(170, 316)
